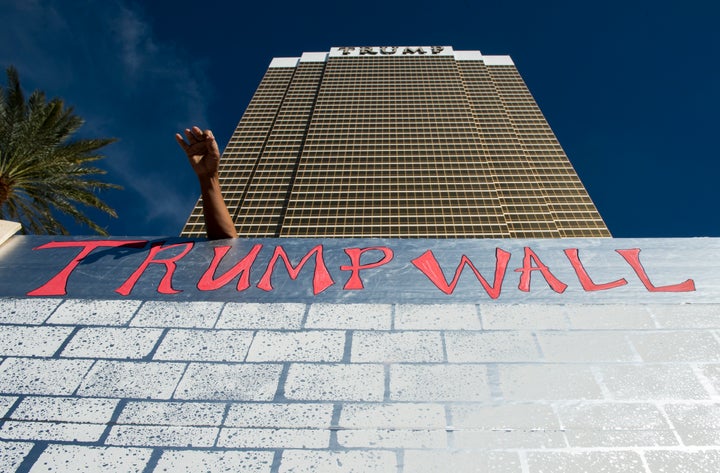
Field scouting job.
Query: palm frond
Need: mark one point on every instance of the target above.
(43, 169)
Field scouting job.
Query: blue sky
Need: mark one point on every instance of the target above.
(631, 89)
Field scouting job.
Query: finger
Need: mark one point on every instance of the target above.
(209, 135)
(181, 142)
(191, 136)
(198, 133)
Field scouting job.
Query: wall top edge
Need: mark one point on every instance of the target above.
(364, 270)
(8, 229)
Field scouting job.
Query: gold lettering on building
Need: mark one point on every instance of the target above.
(419, 50)
(390, 50)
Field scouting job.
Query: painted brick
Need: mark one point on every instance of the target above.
(312, 461)
(26, 311)
(327, 382)
(392, 438)
(697, 424)
(686, 315)
(17, 340)
(676, 461)
(590, 346)
(428, 461)
(65, 409)
(523, 317)
(5, 403)
(206, 381)
(193, 461)
(620, 438)
(350, 316)
(505, 426)
(274, 438)
(73, 458)
(162, 435)
(57, 431)
(580, 462)
(685, 345)
(436, 317)
(177, 314)
(652, 381)
(609, 316)
(172, 413)
(439, 383)
(386, 347)
(132, 379)
(60, 377)
(389, 416)
(476, 439)
(316, 345)
(12, 454)
(95, 312)
(546, 381)
(463, 347)
(204, 345)
(504, 417)
(610, 416)
(712, 374)
(261, 316)
(615, 425)
(369, 421)
(112, 342)
(280, 415)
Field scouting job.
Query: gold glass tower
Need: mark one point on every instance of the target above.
(399, 142)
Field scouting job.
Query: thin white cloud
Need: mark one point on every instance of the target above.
(135, 38)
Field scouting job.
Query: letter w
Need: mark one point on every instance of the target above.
(430, 268)
(209, 283)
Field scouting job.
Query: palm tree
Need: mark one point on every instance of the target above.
(43, 172)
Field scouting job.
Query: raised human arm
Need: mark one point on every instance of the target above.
(204, 156)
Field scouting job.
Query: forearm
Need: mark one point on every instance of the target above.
(218, 223)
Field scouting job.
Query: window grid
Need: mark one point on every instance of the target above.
(399, 147)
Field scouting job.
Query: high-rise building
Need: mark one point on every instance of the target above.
(399, 142)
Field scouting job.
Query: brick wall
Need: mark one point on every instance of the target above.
(130, 385)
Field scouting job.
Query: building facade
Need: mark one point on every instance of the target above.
(422, 142)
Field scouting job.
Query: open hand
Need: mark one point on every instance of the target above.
(202, 151)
